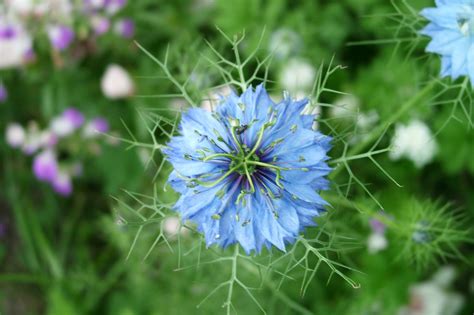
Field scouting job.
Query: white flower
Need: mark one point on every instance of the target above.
(14, 49)
(445, 276)
(433, 297)
(116, 83)
(297, 75)
(172, 227)
(284, 42)
(376, 243)
(33, 139)
(21, 6)
(415, 142)
(62, 127)
(15, 135)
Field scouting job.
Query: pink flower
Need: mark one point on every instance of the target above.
(45, 166)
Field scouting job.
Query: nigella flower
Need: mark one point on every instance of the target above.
(62, 183)
(95, 127)
(125, 28)
(250, 171)
(45, 166)
(452, 33)
(67, 123)
(61, 36)
(100, 24)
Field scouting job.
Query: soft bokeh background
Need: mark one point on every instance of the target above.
(67, 254)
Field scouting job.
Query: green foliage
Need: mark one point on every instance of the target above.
(115, 247)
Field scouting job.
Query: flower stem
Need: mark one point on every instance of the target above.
(371, 137)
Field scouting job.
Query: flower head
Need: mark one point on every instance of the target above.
(100, 24)
(452, 33)
(62, 183)
(250, 171)
(15, 135)
(15, 43)
(125, 28)
(113, 6)
(61, 36)
(284, 43)
(45, 166)
(297, 76)
(116, 83)
(415, 142)
(95, 127)
(67, 123)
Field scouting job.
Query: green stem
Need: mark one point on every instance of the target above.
(233, 277)
(382, 127)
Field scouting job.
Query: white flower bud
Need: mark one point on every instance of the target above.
(297, 75)
(376, 243)
(415, 142)
(15, 135)
(116, 83)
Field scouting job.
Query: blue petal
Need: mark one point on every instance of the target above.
(446, 17)
(459, 59)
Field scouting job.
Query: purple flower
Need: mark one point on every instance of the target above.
(45, 166)
(3, 93)
(67, 123)
(377, 226)
(61, 36)
(95, 126)
(92, 5)
(125, 28)
(113, 6)
(100, 124)
(100, 24)
(7, 32)
(62, 184)
(74, 116)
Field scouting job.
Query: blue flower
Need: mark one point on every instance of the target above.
(452, 33)
(249, 172)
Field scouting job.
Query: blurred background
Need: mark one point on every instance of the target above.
(79, 103)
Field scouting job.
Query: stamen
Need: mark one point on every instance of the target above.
(214, 156)
(220, 179)
(249, 178)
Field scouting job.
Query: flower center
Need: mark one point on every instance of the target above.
(245, 163)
